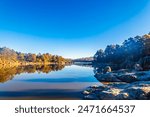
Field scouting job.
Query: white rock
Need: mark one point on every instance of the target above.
(86, 92)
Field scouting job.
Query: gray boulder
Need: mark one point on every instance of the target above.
(123, 76)
(108, 77)
(128, 78)
(107, 69)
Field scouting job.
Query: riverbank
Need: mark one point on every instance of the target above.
(121, 85)
(17, 64)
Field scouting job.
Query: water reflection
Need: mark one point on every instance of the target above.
(39, 82)
(7, 74)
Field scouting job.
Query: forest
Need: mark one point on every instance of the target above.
(132, 51)
(11, 57)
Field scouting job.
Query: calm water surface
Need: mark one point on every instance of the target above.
(46, 82)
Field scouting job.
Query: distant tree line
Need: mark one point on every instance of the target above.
(84, 59)
(130, 52)
(8, 56)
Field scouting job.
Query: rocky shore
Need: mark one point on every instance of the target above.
(124, 76)
(121, 85)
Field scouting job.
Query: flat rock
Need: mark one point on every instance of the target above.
(128, 77)
(139, 90)
(108, 77)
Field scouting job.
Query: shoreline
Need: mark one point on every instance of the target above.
(17, 64)
(120, 85)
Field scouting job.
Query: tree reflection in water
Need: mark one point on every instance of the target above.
(7, 74)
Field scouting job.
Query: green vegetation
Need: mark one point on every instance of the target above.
(9, 57)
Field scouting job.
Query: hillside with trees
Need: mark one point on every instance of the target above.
(132, 51)
(11, 57)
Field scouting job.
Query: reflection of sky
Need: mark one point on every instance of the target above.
(71, 78)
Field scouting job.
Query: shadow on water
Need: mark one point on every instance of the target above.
(41, 94)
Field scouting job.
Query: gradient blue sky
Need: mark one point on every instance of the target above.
(71, 28)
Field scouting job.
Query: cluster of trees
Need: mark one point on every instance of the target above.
(8, 56)
(131, 51)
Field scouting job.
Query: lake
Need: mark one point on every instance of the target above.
(46, 82)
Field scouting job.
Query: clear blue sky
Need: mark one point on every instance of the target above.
(71, 28)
